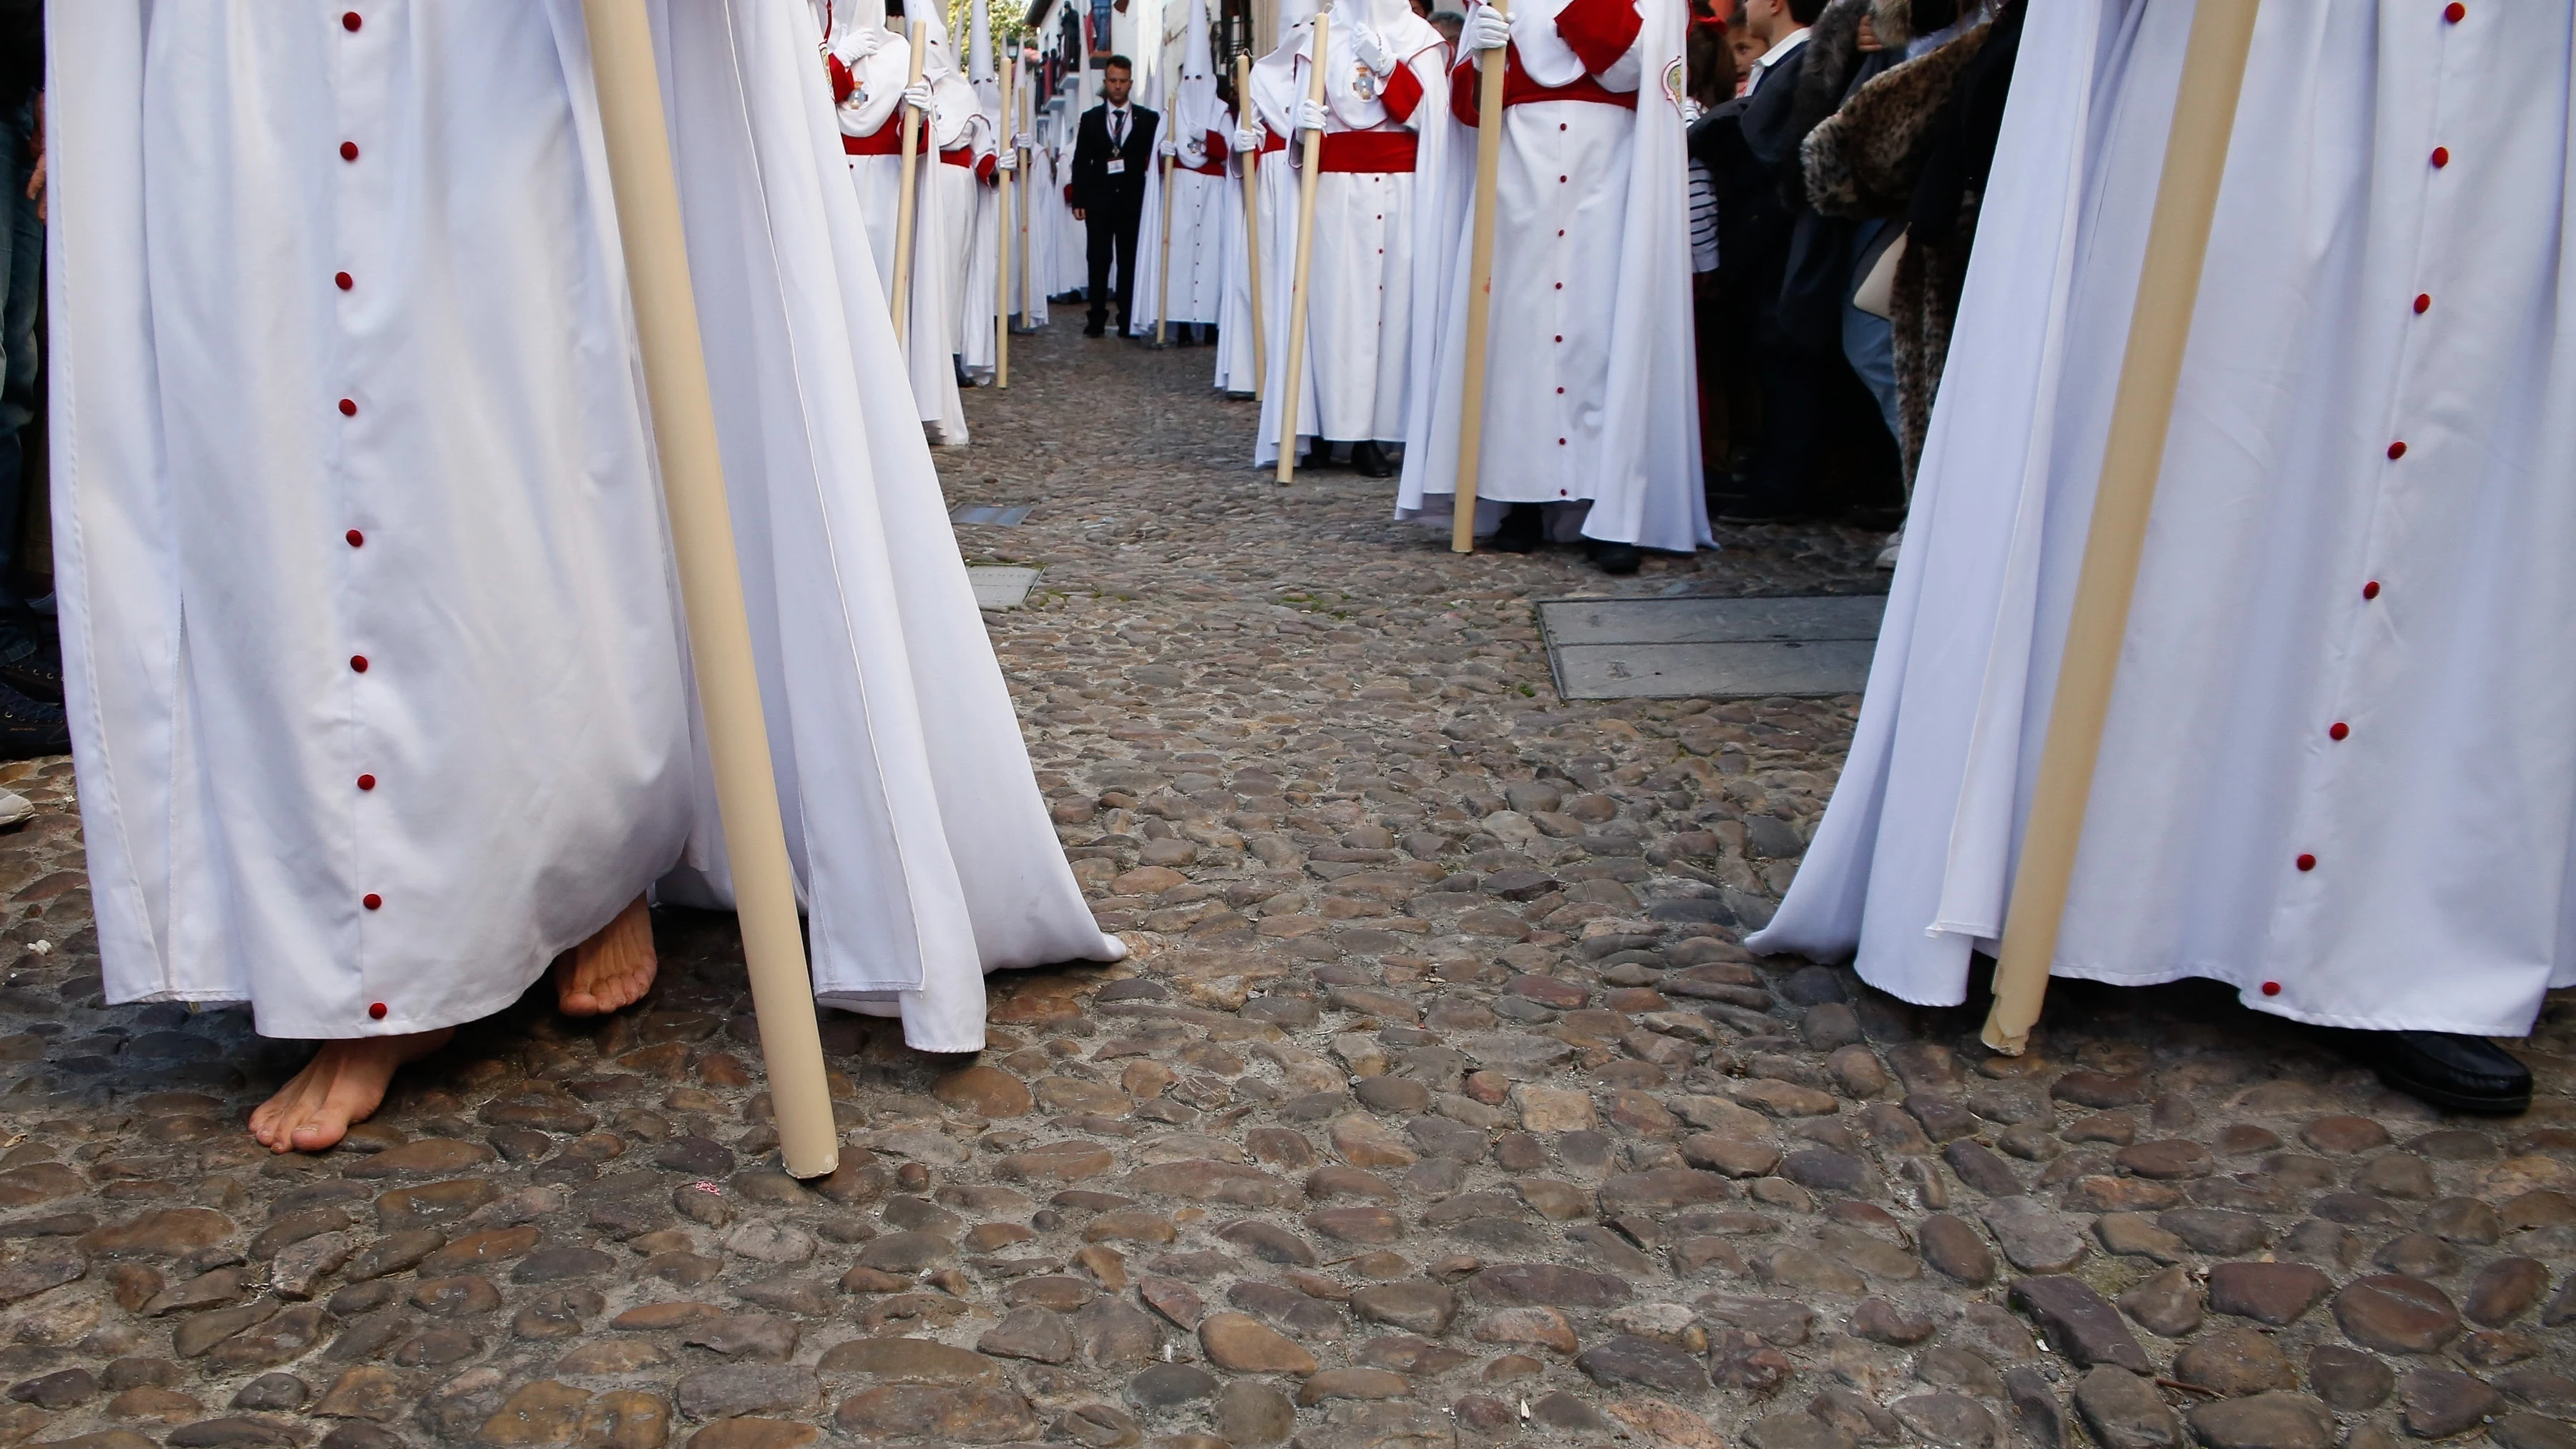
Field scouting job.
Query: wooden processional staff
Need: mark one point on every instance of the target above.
(1026, 104)
(1163, 272)
(2222, 31)
(1480, 290)
(1251, 209)
(1002, 239)
(684, 437)
(1314, 159)
(907, 204)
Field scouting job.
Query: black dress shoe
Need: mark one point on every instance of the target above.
(2445, 1069)
(1369, 460)
(1317, 457)
(1781, 507)
(31, 659)
(31, 727)
(1613, 558)
(1523, 529)
(1092, 328)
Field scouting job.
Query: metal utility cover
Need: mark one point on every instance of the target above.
(1700, 648)
(995, 515)
(1001, 588)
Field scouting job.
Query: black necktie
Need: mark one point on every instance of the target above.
(1117, 130)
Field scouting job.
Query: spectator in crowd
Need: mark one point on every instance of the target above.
(1448, 23)
(31, 664)
(1711, 67)
(1904, 161)
(1758, 218)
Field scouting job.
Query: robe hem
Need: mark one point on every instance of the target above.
(2249, 996)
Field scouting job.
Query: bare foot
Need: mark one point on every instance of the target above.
(344, 1083)
(610, 970)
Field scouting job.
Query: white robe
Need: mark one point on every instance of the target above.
(1590, 373)
(485, 528)
(1237, 370)
(1199, 205)
(929, 326)
(2296, 576)
(969, 196)
(1360, 303)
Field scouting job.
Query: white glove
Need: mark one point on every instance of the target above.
(1371, 51)
(1024, 142)
(1166, 146)
(1310, 116)
(1194, 155)
(1246, 141)
(857, 44)
(1007, 161)
(1486, 29)
(918, 97)
(1691, 111)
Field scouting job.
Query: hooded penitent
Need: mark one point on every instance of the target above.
(870, 65)
(1590, 388)
(2335, 773)
(1384, 157)
(1206, 208)
(378, 712)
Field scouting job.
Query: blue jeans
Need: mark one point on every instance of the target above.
(1869, 343)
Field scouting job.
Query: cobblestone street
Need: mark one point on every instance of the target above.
(1438, 1106)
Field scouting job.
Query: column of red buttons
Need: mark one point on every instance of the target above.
(2338, 731)
(1563, 259)
(356, 207)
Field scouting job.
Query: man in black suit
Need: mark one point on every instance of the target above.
(1111, 153)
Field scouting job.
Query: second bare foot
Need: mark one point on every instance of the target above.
(611, 970)
(344, 1083)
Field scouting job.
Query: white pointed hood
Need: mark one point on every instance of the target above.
(1276, 76)
(979, 54)
(1196, 110)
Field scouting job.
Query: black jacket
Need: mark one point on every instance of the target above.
(1122, 196)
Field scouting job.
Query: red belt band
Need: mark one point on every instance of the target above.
(1369, 150)
(887, 141)
(1585, 88)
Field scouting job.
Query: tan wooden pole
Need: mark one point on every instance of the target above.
(1027, 108)
(1002, 239)
(2222, 31)
(1244, 119)
(1314, 159)
(684, 437)
(1163, 274)
(1480, 291)
(907, 204)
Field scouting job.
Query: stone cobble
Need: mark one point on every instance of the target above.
(1440, 1104)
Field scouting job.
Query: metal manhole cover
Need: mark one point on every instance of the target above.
(1700, 648)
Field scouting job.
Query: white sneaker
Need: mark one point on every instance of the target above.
(1887, 555)
(15, 807)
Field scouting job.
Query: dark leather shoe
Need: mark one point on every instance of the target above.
(1092, 328)
(1762, 508)
(1369, 460)
(31, 661)
(31, 727)
(1523, 529)
(1613, 558)
(1318, 458)
(2445, 1069)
